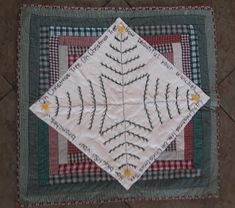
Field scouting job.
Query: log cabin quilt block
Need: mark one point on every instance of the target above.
(130, 131)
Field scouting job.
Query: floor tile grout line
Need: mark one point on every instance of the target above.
(228, 75)
(127, 2)
(2, 98)
(127, 204)
(11, 84)
(233, 119)
(106, 3)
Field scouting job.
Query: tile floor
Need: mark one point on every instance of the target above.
(225, 16)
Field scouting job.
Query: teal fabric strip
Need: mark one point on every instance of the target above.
(43, 163)
(107, 191)
(197, 140)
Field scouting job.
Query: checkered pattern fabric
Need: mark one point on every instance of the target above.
(44, 60)
(103, 176)
(76, 31)
(72, 58)
(186, 55)
(77, 158)
(54, 59)
(76, 50)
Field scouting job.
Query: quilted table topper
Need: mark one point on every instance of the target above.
(121, 103)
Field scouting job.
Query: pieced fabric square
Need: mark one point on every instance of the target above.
(121, 103)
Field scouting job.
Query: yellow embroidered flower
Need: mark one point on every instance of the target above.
(195, 98)
(45, 106)
(127, 173)
(121, 28)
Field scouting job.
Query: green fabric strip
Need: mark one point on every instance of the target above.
(43, 156)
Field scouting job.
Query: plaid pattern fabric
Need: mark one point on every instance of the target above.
(72, 58)
(186, 55)
(103, 176)
(195, 64)
(53, 59)
(77, 158)
(79, 167)
(76, 31)
(76, 50)
(44, 60)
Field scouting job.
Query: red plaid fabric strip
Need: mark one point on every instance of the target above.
(161, 39)
(81, 167)
(77, 41)
(157, 165)
(72, 59)
(72, 148)
(171, 165)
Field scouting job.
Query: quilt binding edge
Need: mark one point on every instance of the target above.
(132, 199)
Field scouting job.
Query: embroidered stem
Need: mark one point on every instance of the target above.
(187, 98)
(129, 133)
(127, 165)
(128, 154)
(82, 104)
(167, 104)
(113, 58)
(137, 136)
(94, 104)
(106, 105)
(145, 106)
(125, 51)
(127, 143)
(122, 40)
(70, 104)
(120, 73)
(155, 101)
(139, 126)
(131, 59)
(176, 99)
(57, 106)
(128, 122)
